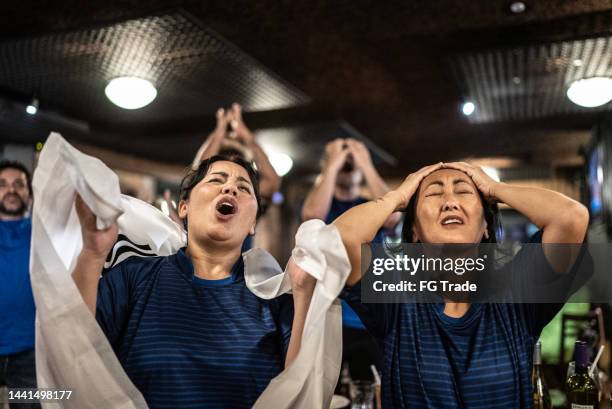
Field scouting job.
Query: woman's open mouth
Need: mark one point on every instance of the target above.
(226, 208)
(451, 221)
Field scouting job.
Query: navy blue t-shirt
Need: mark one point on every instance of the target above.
(480, 360)
(186, 342)
(17, 310)
(338, 207)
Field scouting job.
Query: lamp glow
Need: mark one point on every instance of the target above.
(281, 162)
(130, 92)
(591, 92)
(468, 108)
(518, 7)
(32, 108)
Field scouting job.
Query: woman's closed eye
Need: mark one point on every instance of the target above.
(433, 193)
(464, 192)
(245, 188)
(215, 180)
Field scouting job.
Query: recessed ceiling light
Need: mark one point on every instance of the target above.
(518, 7)
(468, 108)
(130, 92)
(32, 107)
(516, 80)
(591, 92)
(577, 63)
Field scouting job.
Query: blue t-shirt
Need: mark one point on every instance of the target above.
(340, 206)
(17, 310)
(349, 318)
(192, 343)
(480, 360)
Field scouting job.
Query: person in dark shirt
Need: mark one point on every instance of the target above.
(17, 309)
(345, 166)
(456, 354)
(186, 329)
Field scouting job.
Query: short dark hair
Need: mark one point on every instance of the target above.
(491, 214)
(195, 176)
(12, 164)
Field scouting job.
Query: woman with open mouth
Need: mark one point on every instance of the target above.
(453, 354)
(186, 329)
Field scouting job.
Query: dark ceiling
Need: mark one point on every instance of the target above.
(383, 67)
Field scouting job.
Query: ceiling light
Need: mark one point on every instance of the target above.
(492, 172)
(518, 7)
(281, 162)
(591, 92)
(468, 108)
(32, 108)
(130, 92)
(577, 63)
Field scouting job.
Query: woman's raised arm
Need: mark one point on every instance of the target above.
(562, 220)
(359, 224)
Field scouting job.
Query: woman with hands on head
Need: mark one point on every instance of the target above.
(461, 354)
(186, 329)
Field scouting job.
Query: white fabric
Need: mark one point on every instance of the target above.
(71, 349)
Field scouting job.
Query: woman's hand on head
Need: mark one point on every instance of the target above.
(97, 243)
(483, 182)
(411, 184)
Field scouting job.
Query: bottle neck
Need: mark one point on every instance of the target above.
(537, 354)
(581, 357)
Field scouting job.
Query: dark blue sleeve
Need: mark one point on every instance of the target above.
(116, 294)
(535, 279)
(378, 318)
(282, 308)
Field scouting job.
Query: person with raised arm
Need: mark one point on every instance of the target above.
(269, 181)
(186, 328)
(460, 354)
(347, 164)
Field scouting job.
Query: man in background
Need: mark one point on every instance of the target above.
(17, 310)
(345, 166)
